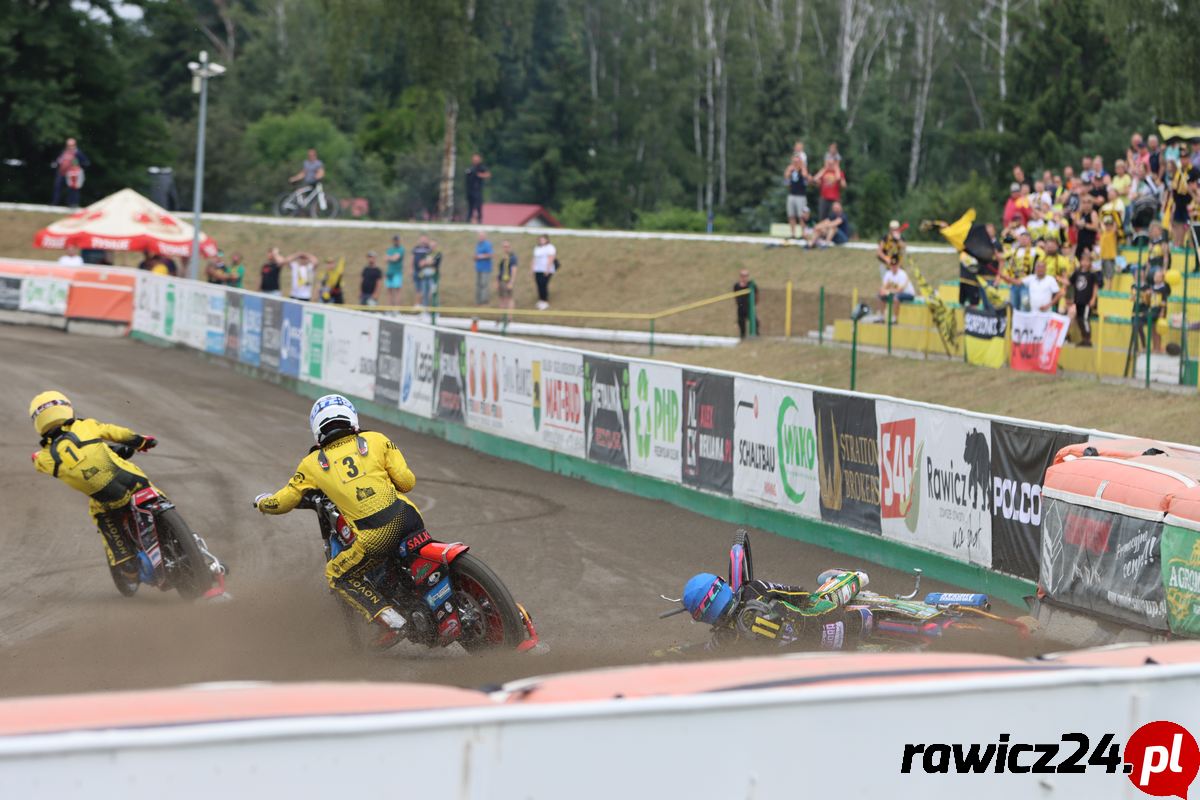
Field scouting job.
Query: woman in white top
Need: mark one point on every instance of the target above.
(302, 268)
(544, 256)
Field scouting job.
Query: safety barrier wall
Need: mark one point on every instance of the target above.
(886, 479)
(643, 747)
(94, 294)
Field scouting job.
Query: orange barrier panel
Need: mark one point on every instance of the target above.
(97, 293)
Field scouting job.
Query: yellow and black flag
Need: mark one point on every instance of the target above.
(983, 336)
(975, 248)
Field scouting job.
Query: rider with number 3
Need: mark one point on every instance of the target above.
(365, 476)
(76, 452)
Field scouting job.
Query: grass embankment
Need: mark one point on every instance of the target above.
(629, 275)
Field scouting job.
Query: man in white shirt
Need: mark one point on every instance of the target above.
(71, 258)
(302, 267)
(1043, 290)
(544, 257)
(896, 286)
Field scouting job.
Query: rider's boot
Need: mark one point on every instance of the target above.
(392, 630)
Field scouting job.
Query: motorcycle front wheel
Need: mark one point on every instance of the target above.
(192, 577)
(495, 619)
(127, 587)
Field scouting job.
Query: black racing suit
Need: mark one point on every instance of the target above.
(788, 616)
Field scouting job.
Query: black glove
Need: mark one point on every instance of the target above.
(147, 443)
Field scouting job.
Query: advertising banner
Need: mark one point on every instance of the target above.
(848, 460)
(291, 339)
(149, 299)
(1103, 562)
(349, 354)
(796, 443)
(389, 363)
(192, 325)
(708, 431)
(10, 300)
(1037, 340)
(450, 401)
(233, 324)
(561, 378)
(416, 380)
(606, 410)
(172, 297)
(44, 295)
(214, 320)
(250, 347)
(1181, 579)
(985, 331)
(484, 407)
(312, 344)
(756, 473)
(272, 334)
(656, 420)
(934, 480)
(1020, 456)
(503, 394)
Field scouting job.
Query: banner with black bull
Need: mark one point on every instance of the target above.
(708, 431)
(606, 410)
(848, 460)
(450, 362)
(1020, 457)
(1103, 562)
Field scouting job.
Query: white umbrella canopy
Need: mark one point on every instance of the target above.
(124, 221)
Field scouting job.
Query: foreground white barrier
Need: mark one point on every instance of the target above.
(842, 741)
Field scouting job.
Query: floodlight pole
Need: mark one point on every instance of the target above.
(201, 72)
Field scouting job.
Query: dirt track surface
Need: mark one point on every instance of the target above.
(588, 563)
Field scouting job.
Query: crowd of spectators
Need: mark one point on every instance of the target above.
(830, 226)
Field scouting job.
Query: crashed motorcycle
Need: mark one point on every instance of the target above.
(447, 594)
(940, 620)
(169, 554)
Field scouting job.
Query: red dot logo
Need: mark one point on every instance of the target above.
(1162, 759)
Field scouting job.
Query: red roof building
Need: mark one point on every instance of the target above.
(518, 215)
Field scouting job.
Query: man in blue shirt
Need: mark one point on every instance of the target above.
(483, 269)
(419, 252)
(394, 278)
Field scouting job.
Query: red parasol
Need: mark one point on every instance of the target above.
(124, 221)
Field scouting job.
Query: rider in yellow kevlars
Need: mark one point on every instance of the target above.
(75, 451)
(365, 475)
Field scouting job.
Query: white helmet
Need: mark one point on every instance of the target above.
(330, 409)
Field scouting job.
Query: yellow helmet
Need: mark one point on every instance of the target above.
(49, 410)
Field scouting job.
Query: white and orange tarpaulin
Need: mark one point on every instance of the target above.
(124, 221)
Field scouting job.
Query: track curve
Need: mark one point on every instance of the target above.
(589, 563)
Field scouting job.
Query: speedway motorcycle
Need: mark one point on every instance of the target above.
(940, 620)
(447, 594)
(169, 554)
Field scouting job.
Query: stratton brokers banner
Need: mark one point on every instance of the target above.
(1037, 340)
(848, 460)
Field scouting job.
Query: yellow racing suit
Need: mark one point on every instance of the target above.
(77, 455)
(365, 476)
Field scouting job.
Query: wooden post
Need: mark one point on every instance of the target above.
(787, 313)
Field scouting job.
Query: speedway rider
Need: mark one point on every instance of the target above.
(776, 613)
(76, 452)
(365, 476)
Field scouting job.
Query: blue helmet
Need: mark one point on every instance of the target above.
(707, 597)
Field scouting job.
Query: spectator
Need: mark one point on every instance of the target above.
(835, 230)
(1016, 208)
(1021, 262)
(796, 175)
(1154, 295)
(831, 181)
(419, 254)
(431, 273)
(891, 246)
(371, 276)
(833, 153)
(1111, 233)
(1042, 290)
(798, 150)
(303, 267)
(1195, 156)
(236, 271)
(215, 271)
(68, 173)
(1158, 251)
(1086, 173)
(483, 269)
(269, 283)
(1155, 164)
(1098, 169)
(545, 264)
(896, 286)
(1136, 149)
(743, 302)
(1121, 179)
(1086, 223)
(1058, 265)
(1098, 190)
(331, 282)
(1085, 283)
(505, 274)
(395, 271)
(71, 257)
(311, 171)
(477, 173)
(147, 261)
(1182, 178)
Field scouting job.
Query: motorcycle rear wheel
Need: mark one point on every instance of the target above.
(126, 587)
(478, 588)
(193, 577)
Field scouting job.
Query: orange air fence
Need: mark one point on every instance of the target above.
(97, 293)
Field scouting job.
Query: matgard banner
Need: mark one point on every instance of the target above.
(416, 378)
(348, 357)
(934, 480)
(562, 402)
(656, 419)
